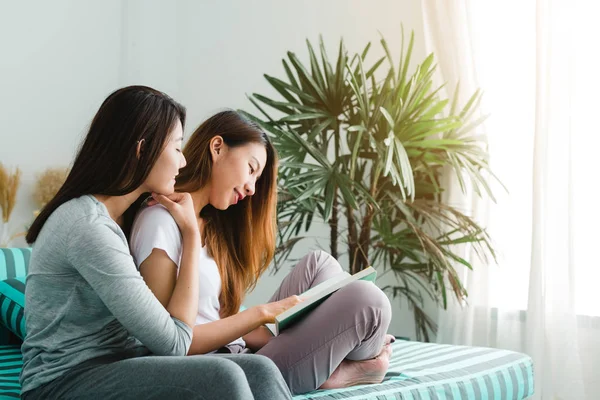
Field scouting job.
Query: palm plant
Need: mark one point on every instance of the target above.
(363, 150)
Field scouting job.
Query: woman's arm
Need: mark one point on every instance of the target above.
(214, 335)
(183, 301)
(160, 273)
(256, 339)
(102, 258)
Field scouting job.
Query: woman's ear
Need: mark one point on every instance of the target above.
(217, 147)
(138, 151)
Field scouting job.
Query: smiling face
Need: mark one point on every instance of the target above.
(235, 171)
(162, 176)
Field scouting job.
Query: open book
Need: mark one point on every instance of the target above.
(316, 295)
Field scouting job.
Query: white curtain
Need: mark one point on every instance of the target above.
(537, 64)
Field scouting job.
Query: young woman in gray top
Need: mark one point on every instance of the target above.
(94, 329)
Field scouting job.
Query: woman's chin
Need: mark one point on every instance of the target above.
(166, 191)
(222, 205)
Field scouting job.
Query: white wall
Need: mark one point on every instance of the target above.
(60, 59)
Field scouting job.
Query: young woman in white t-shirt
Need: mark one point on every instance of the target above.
(231, 174)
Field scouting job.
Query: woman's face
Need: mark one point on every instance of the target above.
(235, 172)
(162, 176)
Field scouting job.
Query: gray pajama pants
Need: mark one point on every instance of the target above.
(350, 324)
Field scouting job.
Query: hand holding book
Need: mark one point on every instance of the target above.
(315, 296)
(270, 311)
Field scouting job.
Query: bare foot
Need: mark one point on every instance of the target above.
(351, 373)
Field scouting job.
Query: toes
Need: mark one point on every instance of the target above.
(386, 352)
(389, 339)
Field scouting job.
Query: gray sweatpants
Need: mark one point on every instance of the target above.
(203, 377)
(350, 324)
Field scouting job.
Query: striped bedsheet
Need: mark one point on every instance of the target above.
(423, 371)
(418, 371)
(11, 363)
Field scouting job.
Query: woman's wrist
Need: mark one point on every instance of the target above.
(261, 314)
(190, 233)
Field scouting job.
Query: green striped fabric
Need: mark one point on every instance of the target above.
(428, 371)
(14, 263)
(11, 363)
(418, 371)
(12, 305)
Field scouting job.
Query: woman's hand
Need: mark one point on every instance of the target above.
(271, 310)
(181, 207)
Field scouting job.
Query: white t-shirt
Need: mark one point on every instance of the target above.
(155, 228)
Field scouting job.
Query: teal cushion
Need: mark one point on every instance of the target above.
(12, 305)
(14, 262)
(11, 363)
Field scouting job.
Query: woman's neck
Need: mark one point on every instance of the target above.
(200, 198)
(117, 205)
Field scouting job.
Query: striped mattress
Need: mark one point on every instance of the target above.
(11, 363)
(418, 371)
(423, 371)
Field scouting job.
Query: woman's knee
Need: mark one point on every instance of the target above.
(364, 297)
(265, 378)
(263, 366)
(229, 379)
(319, 259)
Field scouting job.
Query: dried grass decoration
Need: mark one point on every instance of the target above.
(9, 185)
(48, 184)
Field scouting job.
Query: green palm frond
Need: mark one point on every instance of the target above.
(363, 145)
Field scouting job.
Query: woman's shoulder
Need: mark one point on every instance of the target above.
(155, 228)
(153, 224)
(82, 212)
(78, 225)
(156, 215)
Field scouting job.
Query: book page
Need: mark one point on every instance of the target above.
(272, 328)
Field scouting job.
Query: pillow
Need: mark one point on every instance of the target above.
(14, 262)
(12, 305)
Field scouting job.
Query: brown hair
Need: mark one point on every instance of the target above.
(241, 238)
(106, 162)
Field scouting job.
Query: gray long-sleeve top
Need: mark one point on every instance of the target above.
(84, 297)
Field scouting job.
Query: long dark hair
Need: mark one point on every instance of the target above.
(107, 161)
(241, 238)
